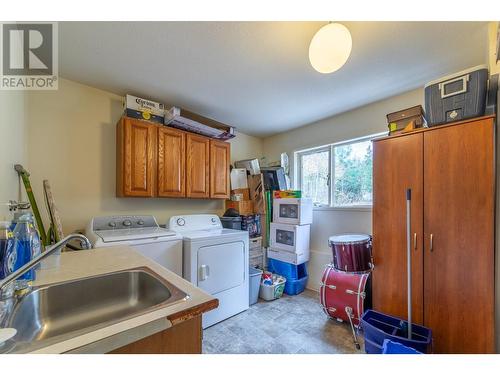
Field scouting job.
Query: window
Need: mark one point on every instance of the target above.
(315, 175)
(338, 175)
(352, 179)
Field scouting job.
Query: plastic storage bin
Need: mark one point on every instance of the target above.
(295, 274)
(378, 327)
(390, 347)
(272, 292)
(288, 270)
(231, 222)
(293, 287)
(255, 275)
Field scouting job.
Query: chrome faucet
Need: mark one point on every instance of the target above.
(48, 250)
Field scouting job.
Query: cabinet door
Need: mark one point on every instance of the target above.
(397, 166)
(197, 166)
(136, 158)
(171, 162)
(459, 209)
(219, 169)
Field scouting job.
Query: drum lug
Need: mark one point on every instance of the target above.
(362, 294)
(328, 286)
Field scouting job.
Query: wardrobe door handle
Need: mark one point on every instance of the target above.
(431, 246)
(415, 241)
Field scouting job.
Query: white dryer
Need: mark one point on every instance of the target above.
(142, 233)
(216, 261)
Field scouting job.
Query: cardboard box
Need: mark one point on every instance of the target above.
(239, 178)
(244, 193)
(298, 211)
(288, 257)
(243, 207)
(144, 109)
(256, 187)
(279, 194)
(292, 238)
(251, 165)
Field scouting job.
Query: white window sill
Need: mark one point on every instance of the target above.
(350, 208)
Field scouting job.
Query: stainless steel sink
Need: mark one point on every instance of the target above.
(56, 312)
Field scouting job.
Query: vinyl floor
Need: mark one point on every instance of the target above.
(289, 325)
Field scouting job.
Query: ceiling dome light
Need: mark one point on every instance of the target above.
(330, 48)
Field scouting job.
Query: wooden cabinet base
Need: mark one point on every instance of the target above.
(182, 338)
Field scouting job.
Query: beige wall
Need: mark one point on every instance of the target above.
(12, 146)
(72, 144)
(492, 47)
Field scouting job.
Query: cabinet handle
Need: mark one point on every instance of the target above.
(415, 241)
(431, 247)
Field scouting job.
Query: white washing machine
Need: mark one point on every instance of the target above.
(142, 233)
(215, 260)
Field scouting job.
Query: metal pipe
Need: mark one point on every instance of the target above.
(408, 255)
(48, 251)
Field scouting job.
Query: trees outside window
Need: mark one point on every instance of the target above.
(338, 175)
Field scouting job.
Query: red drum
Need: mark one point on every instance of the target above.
(352, 252)
(342, 294)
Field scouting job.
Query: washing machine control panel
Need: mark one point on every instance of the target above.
(123, 222)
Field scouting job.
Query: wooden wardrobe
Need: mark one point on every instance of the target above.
(451, 171)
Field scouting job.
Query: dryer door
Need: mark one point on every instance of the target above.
(221, 267)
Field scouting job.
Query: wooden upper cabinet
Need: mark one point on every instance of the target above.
(171, 162)
(219, 169)
(197, 166)
(155, 160)
(136, 154)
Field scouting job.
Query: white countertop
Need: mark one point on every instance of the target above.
(85, 263)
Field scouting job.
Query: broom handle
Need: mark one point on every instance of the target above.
(408, 255)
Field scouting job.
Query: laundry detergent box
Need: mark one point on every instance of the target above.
(144, 109)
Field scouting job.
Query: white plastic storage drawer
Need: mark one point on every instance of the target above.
(293, 211)
(293, 238)
(288, 257)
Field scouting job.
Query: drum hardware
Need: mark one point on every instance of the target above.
(328, 286)
(350, 315)
(362, 294)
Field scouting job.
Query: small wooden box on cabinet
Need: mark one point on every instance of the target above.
(159, 161)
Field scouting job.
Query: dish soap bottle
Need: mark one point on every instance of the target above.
(20, 253)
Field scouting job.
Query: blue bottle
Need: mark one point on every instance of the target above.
(20, 253)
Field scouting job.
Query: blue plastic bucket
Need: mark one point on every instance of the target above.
(379, 327)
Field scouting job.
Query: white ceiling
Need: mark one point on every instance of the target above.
(256, 76)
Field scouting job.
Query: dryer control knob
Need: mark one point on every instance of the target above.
(181, 221)
(127, 223)
(140, 222)
(112, 224)
(213, 220)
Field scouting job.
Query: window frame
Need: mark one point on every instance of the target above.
(331, 172)
(298, 158)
